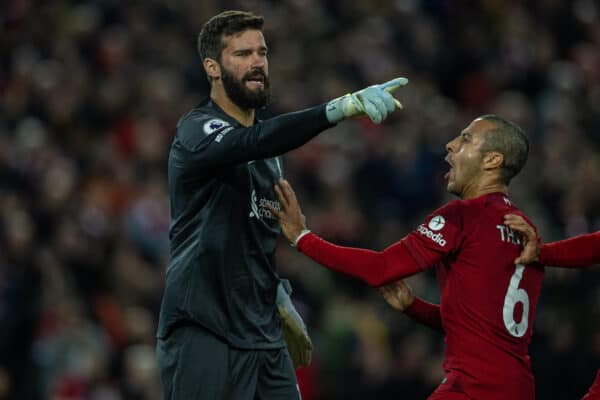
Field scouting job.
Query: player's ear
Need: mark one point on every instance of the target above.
(212, 68)
(493, 160)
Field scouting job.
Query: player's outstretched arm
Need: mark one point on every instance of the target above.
(399, 295)
(577, 252)
(205, 144)
(373, 267)
(374, 101)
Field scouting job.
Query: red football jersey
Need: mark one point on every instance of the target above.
(487, 302)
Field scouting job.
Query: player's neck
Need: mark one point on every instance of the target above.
(481, 188)
(243, 116)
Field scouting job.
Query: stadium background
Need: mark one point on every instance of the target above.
(90, 92)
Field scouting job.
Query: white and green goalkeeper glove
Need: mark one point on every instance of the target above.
(375, 101)
(295, 334)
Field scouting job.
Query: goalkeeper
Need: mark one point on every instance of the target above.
(226, 316)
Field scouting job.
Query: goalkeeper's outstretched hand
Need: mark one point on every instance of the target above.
(374, 101)
(295, 334)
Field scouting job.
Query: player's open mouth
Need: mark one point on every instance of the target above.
(256, 82)
(447, 174)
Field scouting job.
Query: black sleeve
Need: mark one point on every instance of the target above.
(197, 150)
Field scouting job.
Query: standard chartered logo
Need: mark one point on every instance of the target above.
(253, 206)
(435, 237)
(259, 207)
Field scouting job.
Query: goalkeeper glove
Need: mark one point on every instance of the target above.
(294, 331)
(375, 101)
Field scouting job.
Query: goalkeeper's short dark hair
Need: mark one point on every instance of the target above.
(210, 39)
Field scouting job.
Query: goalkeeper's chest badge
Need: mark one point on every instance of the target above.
(213, 125)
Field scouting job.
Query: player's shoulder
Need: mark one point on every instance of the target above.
(197, 124)
(495, 206)
(459, 210)
(450, 214)
(498, 202)
(451, 209)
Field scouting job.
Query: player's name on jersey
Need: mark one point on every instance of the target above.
(508, 235)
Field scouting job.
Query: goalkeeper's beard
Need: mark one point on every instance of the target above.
(240, 95)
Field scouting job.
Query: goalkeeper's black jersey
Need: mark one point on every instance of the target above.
(221, 272)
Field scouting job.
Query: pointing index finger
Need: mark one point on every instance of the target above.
(393, 84)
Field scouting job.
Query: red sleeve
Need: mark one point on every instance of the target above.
(373, 267)
(427, 245)
(576, 252)
(440, 235)
(425, 313)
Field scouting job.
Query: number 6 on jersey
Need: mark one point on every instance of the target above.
(515, 295)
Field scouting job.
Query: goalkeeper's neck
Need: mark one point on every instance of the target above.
(241, 115)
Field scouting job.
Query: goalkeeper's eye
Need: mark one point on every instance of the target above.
(242, 53)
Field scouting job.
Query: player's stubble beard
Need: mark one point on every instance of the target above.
(240, 95)
(466, 175)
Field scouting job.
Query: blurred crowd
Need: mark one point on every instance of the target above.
(90, 92)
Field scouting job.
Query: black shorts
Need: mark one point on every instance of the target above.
(195, 364)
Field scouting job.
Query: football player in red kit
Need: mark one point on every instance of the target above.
(577, 252)
(487, 302)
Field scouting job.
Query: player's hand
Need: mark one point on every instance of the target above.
(290, 216)
(531, 249)
(375, 101)
(295, 334)
(398, 294)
